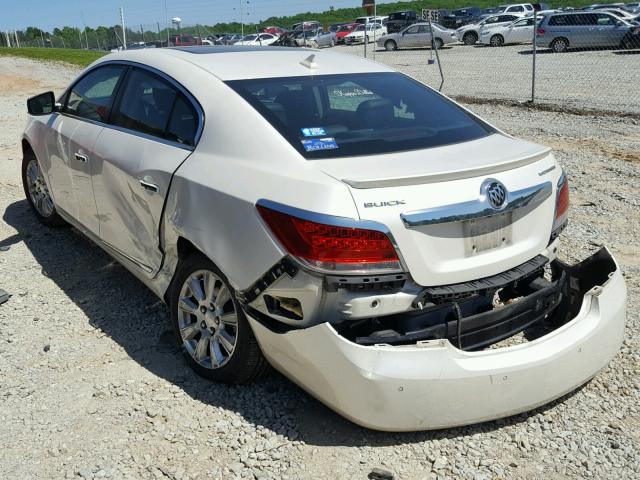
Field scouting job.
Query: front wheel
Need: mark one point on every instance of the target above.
(470, 38)
(496, 41)
(390, 45)
(37, 192)
(215, 336)
(438, 43)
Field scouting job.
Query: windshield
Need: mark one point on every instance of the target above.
(330, 116)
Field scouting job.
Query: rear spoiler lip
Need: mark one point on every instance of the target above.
(447, 176)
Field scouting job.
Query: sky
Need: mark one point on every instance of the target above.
(47, 14)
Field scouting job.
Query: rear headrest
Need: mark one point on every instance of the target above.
(375, 113)
(299, 106)
(163, 98)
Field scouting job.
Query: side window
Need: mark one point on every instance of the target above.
(413, 29)
(518, 8)
(604, 19)
(424, 29)
(92, 97)
(183, 124)
(145, 104)
(529, 7)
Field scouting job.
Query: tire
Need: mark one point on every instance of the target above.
(560, 45)
(438, 43)
(470, 38)
(221, 350)
(37, 192)
(496, 41)
(390, 45)
(366, 39)
(332, 44)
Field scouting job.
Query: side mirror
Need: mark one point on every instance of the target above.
(42, 104)
(619, 23)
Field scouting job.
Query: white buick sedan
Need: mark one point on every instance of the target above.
(365, 235)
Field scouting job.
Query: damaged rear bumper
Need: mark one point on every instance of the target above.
(433, 384)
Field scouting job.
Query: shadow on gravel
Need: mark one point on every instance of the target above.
(118, 304)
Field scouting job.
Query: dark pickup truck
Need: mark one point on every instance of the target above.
(461, 16)
(399, 20)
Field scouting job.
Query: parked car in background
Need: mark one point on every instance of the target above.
(184, 40)
(231, 39)
(539, 7)
(365, 235)
(309, 25)
(469, 34)
(381, 19)
(287, 39)
(358, 34)
(497, 35)
(600, 6)
(334, 27)
(345, 30)
(319, 38)
(521, 8)
(274, 30)
(562, 31)
(258, 39)
(400, 20)
(623, 14)
(461, 16)
(418, 35)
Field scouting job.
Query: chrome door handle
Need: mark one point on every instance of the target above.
(81, 158)
(149, 186)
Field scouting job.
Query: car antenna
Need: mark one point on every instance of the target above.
(309, 62)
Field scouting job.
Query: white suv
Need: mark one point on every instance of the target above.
(367, 236)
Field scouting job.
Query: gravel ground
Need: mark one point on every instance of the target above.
(595, 79)
(92, 387)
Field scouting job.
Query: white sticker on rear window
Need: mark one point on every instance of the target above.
(313, 131)
(315, 144)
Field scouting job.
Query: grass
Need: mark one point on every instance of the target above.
(81, 58)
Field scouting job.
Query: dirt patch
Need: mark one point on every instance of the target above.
(18, 83)
(594, 146)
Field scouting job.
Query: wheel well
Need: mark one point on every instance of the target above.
(26, 148)
(470, 33)
(186, 248)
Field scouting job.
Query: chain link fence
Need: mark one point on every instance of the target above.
(501, 61)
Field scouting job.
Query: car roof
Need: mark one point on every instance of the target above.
(248, 62)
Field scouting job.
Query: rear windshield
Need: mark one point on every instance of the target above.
(329, 116)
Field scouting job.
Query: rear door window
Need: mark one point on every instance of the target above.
(145, 103)
(92, 96)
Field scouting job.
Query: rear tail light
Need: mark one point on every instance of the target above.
(332, 248)
(562, 207)
(540, 31)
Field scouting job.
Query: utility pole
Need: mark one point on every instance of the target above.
(15, 32)
(242, 20)
(142, 32)
(124, 32)
(42, 37)
(86, 40)
(80, 38)
(166, 21)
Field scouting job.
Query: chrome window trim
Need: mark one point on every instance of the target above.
(174, 83)
(480, 208)
(339, 222)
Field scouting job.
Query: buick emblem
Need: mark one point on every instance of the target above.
(496, 194)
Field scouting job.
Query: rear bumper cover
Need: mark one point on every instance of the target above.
(433, 384)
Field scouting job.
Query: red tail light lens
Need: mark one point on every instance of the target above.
(540, 31)
(332, 247)
(562, 207)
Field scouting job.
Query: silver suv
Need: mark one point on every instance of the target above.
(561, 31)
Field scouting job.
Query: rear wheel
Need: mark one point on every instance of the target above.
(470, 38)
(37, 192)
(215, 336)
(560, 45)
(390, 45)
(496, 41)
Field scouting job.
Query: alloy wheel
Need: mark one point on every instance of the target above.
(38, 190)
(207, 319)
